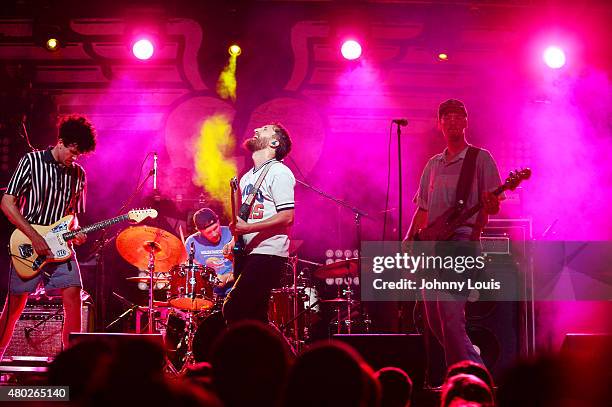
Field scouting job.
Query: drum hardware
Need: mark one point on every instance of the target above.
(190, 331)
(157, 248)
(346, 270)
(145, 279)
(306, 334)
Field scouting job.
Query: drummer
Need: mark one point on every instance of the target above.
(208, 244)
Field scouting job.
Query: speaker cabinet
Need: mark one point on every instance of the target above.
(38, 332)
(502, 331)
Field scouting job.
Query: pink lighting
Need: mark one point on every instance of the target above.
(143, 49)
(351, 50)
(554, 57)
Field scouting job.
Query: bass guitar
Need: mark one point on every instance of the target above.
(446, 224)
(58, 235)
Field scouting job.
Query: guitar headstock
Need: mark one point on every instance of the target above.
(516, 177)
(138, 215)
(234, 183)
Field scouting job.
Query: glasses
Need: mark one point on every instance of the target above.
(453, 117)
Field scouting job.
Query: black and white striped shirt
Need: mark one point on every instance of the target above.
(46, 189)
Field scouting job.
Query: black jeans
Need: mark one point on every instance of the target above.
(259, 274)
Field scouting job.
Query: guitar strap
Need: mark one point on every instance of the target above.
(245, 208)
(466, 177)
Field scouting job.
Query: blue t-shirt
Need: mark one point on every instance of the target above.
(211, 255)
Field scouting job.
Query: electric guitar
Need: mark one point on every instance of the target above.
(242, 213)
(58, 235)
(446, 224)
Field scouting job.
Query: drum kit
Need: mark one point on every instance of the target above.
(189, 286)
(192, 312)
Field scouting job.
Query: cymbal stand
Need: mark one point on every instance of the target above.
(349, 293)
(296, 325)
(152, 247)
(190, 328)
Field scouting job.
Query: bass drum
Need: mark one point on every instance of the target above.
(209, 327)
(209, 330)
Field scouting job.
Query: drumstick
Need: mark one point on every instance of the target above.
(182, 235)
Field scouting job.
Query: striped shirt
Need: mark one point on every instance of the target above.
(47, 190)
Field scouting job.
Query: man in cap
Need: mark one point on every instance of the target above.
(445, 312)
(208, 244)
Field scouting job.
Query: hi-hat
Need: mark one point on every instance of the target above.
(342, 268)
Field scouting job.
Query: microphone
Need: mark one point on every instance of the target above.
(155, 171)
(400, 122)
(191, 253)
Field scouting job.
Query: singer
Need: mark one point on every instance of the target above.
(206, 247)
(266, 231)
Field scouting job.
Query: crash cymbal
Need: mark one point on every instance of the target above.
(342, 268)
(135, 243)
(157, 280)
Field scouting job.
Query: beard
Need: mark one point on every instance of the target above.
(254, 144)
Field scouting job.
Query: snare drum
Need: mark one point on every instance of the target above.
(191, 287)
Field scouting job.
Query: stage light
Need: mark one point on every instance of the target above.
(554, 57)
(351, 50)
(52, 44)
(443, 56)
(234, 50)
(143, 49)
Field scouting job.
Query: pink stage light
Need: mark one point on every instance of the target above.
(351, 50)
(554, 57)
(143, 49)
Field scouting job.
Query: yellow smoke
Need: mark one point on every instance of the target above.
(213, 169)
(226, 85)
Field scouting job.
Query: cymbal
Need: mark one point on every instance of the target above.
(334, 300)
(342, 268)
(161, 280)
(135, 243)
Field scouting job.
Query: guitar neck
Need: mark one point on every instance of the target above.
(94, 227)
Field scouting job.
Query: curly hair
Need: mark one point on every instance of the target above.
(77, 130)
(282, 135)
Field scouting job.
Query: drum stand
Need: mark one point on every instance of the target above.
(151, 247)
(190, 328)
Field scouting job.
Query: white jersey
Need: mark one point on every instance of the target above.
(275, 195)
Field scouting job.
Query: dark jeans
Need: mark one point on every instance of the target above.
(259, 274)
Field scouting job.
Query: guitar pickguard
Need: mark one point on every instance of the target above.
(62, 227)
(57, 244)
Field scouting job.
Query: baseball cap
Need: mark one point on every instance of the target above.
(451, 106)
(204, 217)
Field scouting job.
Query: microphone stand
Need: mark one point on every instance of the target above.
(399, 178)
(98, 252)
(358, 215)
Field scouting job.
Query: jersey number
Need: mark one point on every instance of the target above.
(257, 212)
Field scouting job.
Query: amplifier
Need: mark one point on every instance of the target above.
(38, 332)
